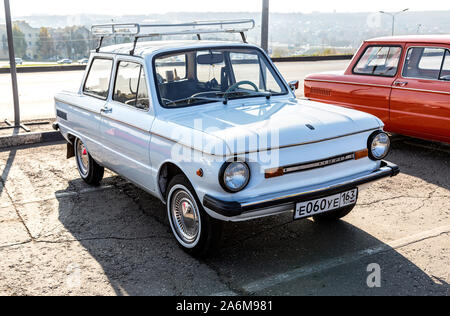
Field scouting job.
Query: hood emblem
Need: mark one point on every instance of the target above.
(310, 127)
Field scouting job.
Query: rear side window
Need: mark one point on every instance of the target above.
(379, 61)
(131, 85)
(98, 79)
(424, 63)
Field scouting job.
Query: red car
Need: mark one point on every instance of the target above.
(405, 81)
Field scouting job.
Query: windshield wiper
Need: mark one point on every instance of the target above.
(255, 94)
(193, 98)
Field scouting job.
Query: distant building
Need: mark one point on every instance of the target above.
(3, 43)
(31, 38)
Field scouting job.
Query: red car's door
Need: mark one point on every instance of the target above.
(420, 99)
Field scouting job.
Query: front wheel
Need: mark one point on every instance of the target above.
(196, 232)
(334, 215)
(90, 171)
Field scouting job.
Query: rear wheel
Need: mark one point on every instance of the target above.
(197, 233)
(90, 171)
(334, 215)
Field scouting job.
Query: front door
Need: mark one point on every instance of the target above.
(126, 124)
(420, 100)
(372, 78)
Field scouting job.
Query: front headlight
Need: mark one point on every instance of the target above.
(234, 176)
(379, 145)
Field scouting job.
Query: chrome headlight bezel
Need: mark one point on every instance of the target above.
(224, 176)
(376, 141)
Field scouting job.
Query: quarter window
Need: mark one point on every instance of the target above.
(379, 61)
(99, 77)
(423, 63)
(131, 86)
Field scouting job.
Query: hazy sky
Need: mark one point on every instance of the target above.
(114, 7)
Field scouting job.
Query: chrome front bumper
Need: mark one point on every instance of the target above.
(280, 202)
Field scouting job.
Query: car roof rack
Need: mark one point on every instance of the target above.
(198, 28)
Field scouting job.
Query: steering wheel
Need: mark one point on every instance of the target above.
(241, 83)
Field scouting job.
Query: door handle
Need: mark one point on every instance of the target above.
(106, 110)
(400, 83)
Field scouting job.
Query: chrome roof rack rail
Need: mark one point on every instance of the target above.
(198, 28)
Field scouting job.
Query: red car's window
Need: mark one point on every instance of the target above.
(379, 61)
(424, 63)
(445, 73)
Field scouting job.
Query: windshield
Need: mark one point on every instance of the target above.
(204, 76)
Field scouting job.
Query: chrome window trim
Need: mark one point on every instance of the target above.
(379, 45)
(426, 79)
(87, 77)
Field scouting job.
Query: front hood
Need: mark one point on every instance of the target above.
(255, 126)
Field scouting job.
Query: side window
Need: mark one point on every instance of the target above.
(131, 85)
(445, 73)
(379, 61)
(423, 63)
(170, 69)
(98, 79)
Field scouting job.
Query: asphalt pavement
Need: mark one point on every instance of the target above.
(59, 236)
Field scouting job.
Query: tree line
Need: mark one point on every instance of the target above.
(50, 44)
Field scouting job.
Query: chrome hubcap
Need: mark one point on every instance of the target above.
(83, 158)
(185, 217)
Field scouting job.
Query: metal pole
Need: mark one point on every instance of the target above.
(265, 26)
(393, 25)
(393, 15)
(12, 62)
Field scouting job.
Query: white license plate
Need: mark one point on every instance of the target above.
(327, 204)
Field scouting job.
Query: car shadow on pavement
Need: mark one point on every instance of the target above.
(6, 169)
(428, 161)
(125, 230)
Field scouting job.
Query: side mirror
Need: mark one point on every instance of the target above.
(294, 85)
(445, 78)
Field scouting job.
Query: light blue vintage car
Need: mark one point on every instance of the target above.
(214, 131)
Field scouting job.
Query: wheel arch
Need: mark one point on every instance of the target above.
(167, 172)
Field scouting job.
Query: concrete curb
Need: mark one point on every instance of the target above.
(44, 69)
(311, 58)
(29, 139)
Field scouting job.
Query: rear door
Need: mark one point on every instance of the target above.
(126, 123)
(420, 101)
